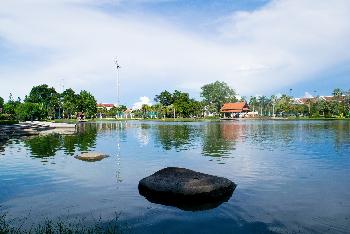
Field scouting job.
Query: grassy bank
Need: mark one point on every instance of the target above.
(73, 121)
(138, 119)
(8, 122)
(317, 118)
(63, 226)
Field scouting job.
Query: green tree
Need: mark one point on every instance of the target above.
(87, 104)
(337, 93)
(263, 102)
(30, 111)
(217, 94)
(10, 106)
(284, 105)
(41, 94)
(253, 103)
(165, 98)
(116, 111)
(69, 102)
(1, 102)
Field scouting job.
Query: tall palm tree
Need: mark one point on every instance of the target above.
(337, 93)
(273, 100)
(253, 102)
(262, 101)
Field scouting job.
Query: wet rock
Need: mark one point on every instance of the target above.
(186, 189)
(92, 156)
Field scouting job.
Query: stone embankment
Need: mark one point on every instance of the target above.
(35, 128)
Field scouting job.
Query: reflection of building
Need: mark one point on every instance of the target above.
(232, 131)
(234, 110)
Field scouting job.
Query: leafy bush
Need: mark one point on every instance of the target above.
(6, 117)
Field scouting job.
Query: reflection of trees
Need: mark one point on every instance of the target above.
(219, 139)
(173, 136)
(86, 137)
(43, 146)
(48, 145)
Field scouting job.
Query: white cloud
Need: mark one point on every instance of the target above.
(281, 44)
(307, 95)
(143, 101)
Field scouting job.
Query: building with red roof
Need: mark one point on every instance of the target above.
(234, 110)
(105, 105)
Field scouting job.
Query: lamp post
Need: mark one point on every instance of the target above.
(118, 67)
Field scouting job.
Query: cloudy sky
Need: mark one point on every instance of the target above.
(256, 46)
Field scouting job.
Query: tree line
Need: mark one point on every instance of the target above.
(179, 104)
(337, 105)
(44, 102)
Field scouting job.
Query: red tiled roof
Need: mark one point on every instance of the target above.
(105, 105)
(235, 107)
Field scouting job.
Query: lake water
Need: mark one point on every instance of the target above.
(291, 176)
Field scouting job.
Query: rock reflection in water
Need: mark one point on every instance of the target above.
(192, 205)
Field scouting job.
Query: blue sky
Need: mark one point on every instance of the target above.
(256, 46)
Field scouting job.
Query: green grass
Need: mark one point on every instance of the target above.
(183, 120)
(136, 119)
(318, 118)
(8, 122)
(64, 226)
(64, 121)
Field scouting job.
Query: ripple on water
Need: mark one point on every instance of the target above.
(291, 175)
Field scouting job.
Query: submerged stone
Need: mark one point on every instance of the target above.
(92, 156)
(186, 189)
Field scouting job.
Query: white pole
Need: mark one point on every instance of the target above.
(118, 67)
(117, 87)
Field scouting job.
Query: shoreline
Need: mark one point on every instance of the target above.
(202, 120)
(35, 128)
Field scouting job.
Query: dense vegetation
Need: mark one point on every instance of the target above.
(335, 106)
(179, 104)
(44, 102)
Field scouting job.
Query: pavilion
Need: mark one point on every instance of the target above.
(234, 110)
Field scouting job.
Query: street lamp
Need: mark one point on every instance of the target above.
(118, 67)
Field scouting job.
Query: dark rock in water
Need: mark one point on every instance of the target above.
(92, 156)
(186, 189)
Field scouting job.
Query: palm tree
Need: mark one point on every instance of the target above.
(262, 101)
(273, 101)
(253, 102)
(337, 93)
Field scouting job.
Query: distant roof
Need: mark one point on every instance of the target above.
(305, 100)
(235, 107)
(105, 105)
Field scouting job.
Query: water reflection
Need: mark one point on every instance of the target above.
(191, 205)
(44, 146)
(285, 170)
(47, 145)
(178, 137)
(219, 139)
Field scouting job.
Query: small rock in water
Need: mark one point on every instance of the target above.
(92, 156)
(186, 189)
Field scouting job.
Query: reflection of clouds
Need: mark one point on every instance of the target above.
(143, 136)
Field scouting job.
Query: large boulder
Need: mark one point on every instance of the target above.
(92, 156)
(186, 189)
